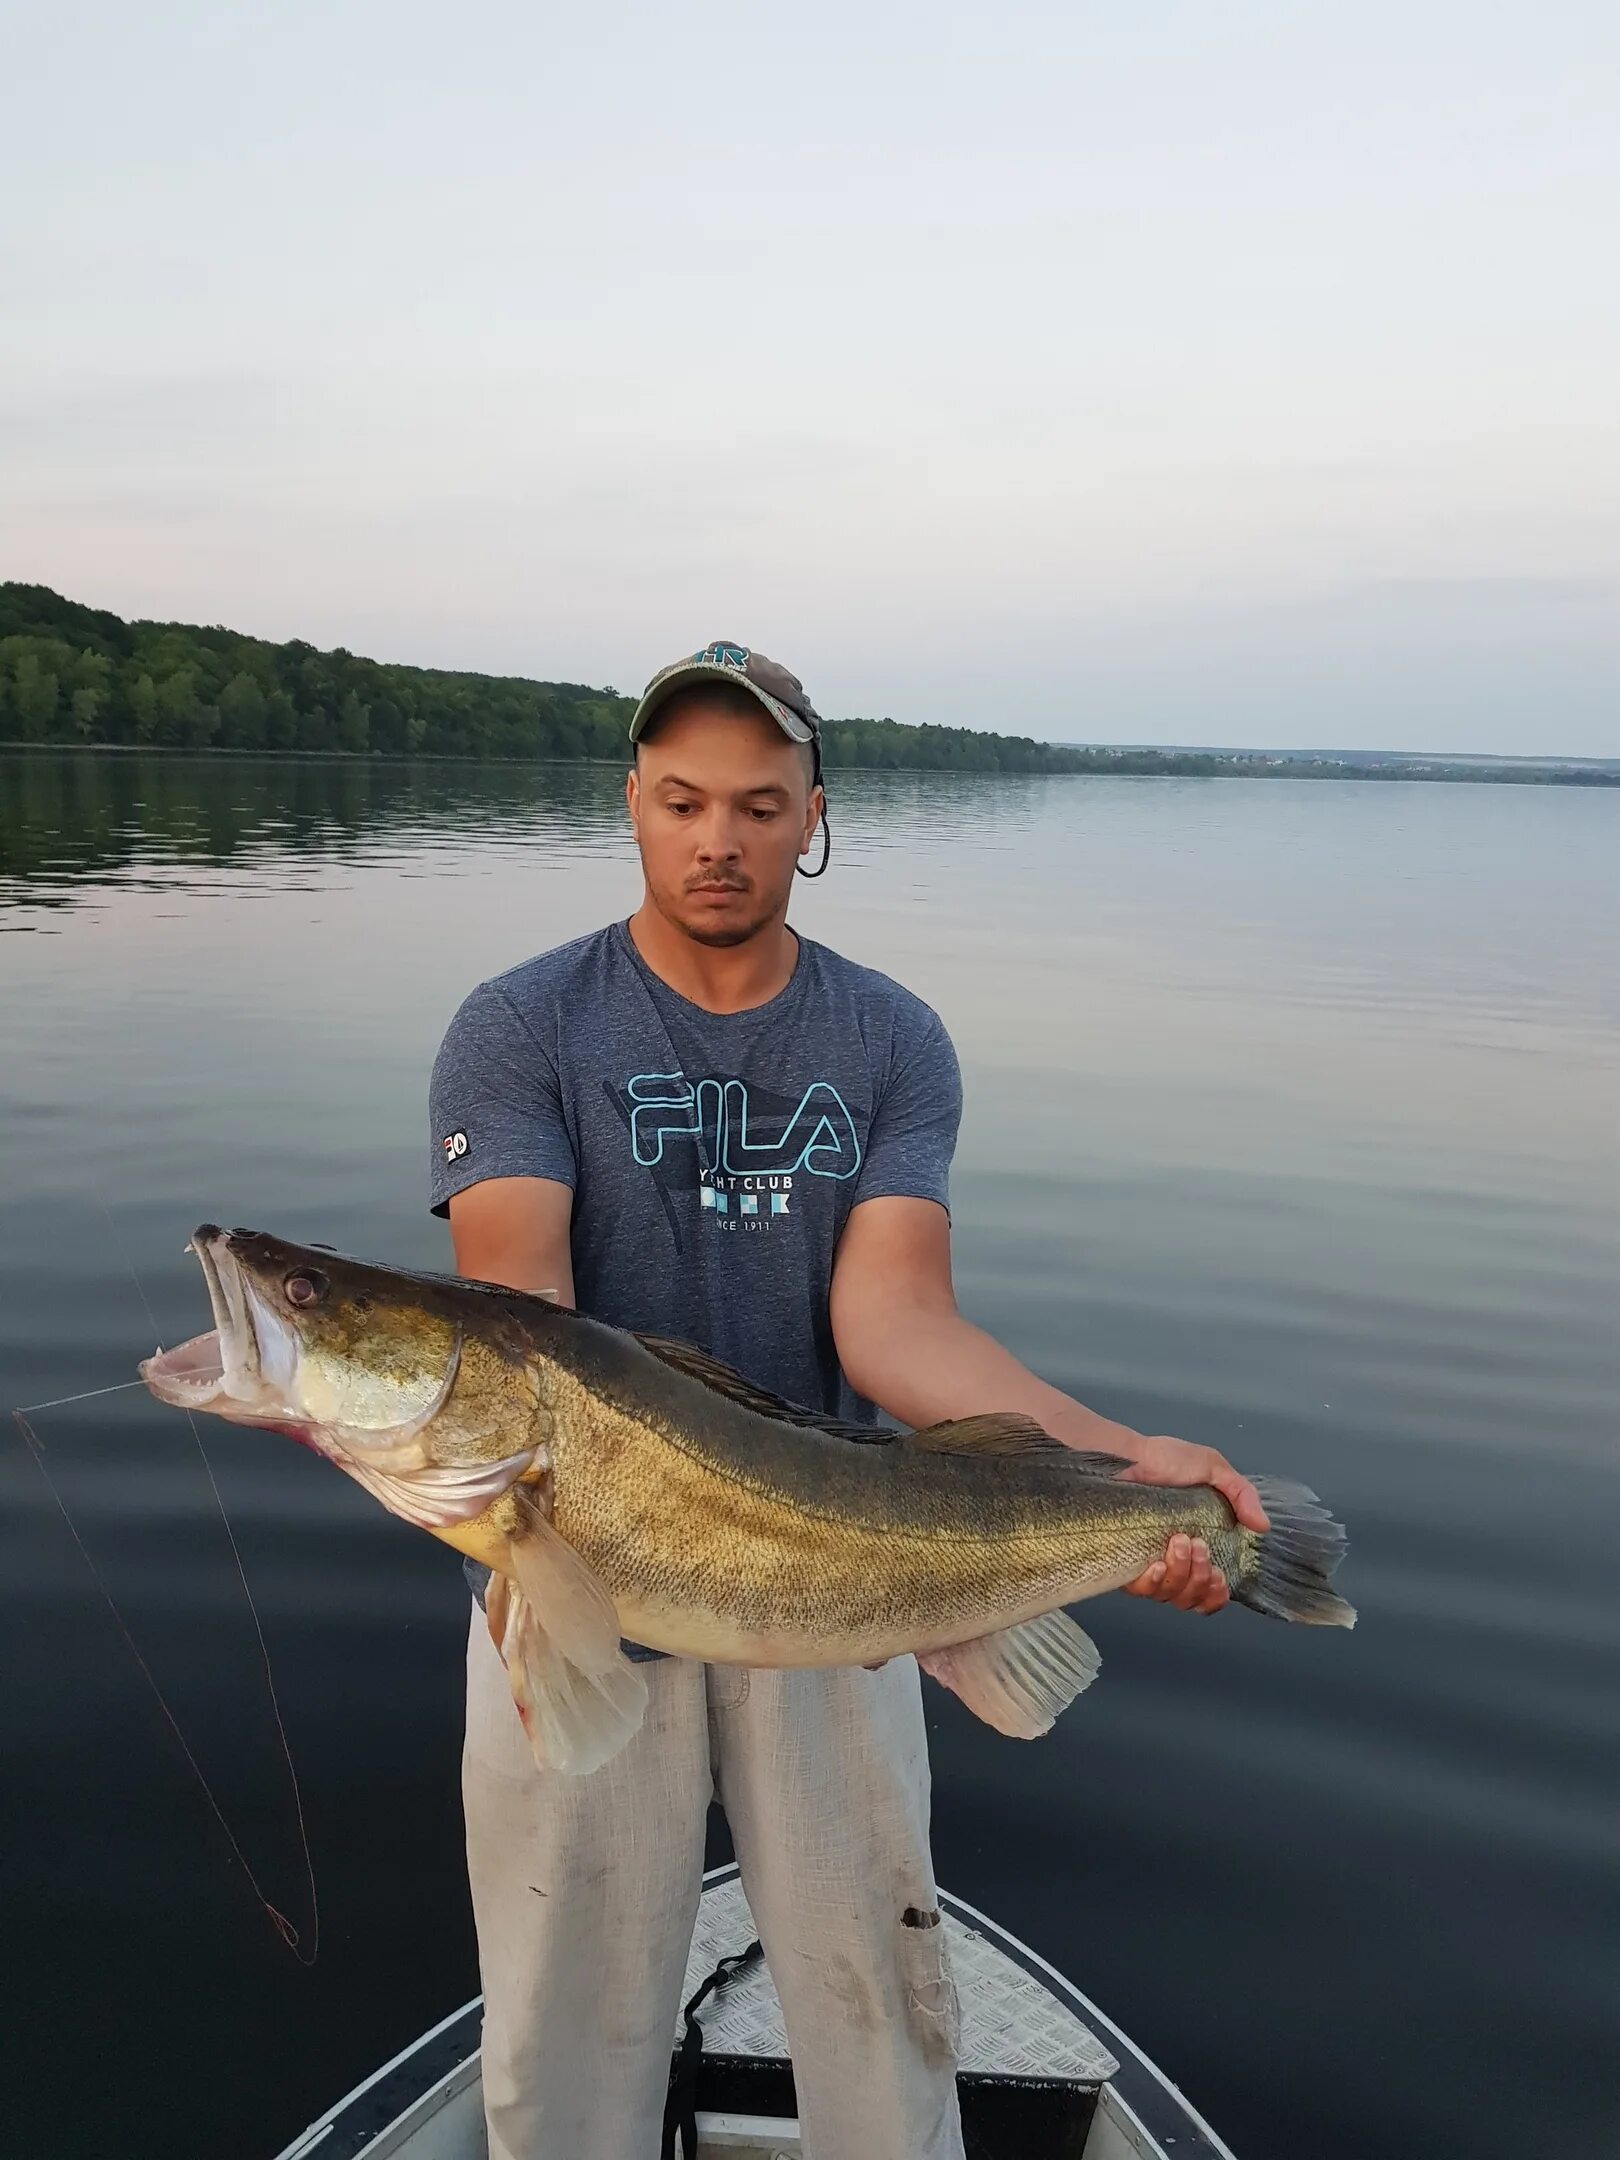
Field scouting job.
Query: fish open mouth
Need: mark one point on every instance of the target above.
(262, 1365)
(190, 1372)
(244, 1363)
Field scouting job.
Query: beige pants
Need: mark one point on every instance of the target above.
(585, 1891)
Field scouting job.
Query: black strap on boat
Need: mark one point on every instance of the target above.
(680, 2109)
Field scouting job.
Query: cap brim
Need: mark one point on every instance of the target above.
(661, 690)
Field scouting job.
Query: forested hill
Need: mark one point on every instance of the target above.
(76, 675)
(72, 674)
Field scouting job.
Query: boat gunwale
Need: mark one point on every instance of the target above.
(1029, 1959)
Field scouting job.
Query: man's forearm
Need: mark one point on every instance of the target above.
(924, 1366)
(904, 1345)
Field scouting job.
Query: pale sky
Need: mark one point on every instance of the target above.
(1124, 371)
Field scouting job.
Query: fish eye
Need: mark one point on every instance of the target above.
(306, 1286)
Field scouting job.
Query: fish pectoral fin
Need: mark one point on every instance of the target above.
(442, 1495)
(579, 1696)
(1020, 1679)
(998, 1432)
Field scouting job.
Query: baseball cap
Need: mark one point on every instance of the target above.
(780, 693)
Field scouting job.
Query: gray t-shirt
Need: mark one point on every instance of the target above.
(714, 1157)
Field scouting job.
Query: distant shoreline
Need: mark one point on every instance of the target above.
(79, 678)
(297, 757)
(1173, 765)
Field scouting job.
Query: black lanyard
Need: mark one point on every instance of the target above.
(826, 830)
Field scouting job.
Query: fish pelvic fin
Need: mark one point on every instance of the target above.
(1294, 1560)
(497, 1595)
(1022, 1678)
(579, 1696)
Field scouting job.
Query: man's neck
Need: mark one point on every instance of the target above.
(720, 978)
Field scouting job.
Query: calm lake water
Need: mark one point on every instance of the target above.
(1291, 1126)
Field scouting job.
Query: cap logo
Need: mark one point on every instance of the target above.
(732, 656)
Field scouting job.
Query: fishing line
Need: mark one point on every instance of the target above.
(290, 1935)
(58, 1401)
(284, 1927)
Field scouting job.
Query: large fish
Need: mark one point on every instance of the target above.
(624, 1485)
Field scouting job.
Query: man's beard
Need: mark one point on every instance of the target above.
(719, 935)
(739, 936)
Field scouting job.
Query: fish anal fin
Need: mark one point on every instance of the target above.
(996, 1432)
(577, 1693)
(1020, 1679)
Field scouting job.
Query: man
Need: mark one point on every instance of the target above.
(697, 1123)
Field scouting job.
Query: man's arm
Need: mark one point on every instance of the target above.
(903, 1345)
(515, 1231)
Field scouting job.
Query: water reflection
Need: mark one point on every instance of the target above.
(66, 821)
(71, 821)
(1290, 1125)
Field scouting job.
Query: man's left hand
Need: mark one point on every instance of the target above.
(1186, 1577)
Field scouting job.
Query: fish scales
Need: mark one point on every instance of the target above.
(710, 1523)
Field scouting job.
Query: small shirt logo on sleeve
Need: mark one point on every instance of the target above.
(455, 1146)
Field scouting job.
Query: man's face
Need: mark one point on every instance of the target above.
(722, 808)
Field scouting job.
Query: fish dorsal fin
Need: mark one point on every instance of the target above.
(997, 1432)
(1096, 1464)
(1020, 1679)
(579, 1696)
(1009, 1432)
(683, 1357)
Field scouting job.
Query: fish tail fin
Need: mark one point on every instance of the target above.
(1294, 1560)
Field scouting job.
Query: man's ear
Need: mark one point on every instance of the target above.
(632, 794)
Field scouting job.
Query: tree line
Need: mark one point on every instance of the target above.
(71, 674)
(76, 675)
